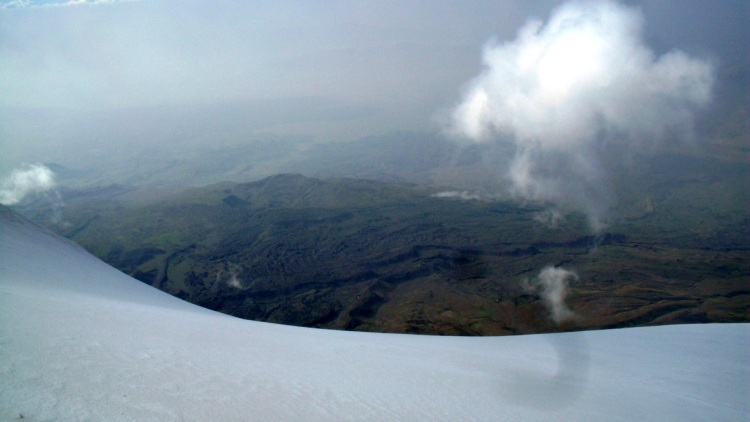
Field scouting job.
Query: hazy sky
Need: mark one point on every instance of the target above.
(164, 52)
(121, 54)
(378, 65)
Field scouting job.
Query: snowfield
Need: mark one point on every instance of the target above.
(81, 341)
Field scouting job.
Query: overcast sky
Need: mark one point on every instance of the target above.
(121, 54)
(402, 62)
(163, 52)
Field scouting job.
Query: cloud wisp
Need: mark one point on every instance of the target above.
(22, 4)
(457, 195)
(569, 94)
(552, 286)
(229, 275)
(33, 178)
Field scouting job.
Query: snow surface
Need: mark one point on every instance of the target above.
(81, 341)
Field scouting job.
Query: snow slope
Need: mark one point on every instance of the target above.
(81, 341)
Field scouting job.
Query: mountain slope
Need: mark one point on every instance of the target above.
(81, 341)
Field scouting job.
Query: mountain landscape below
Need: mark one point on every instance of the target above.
(522, 211)
(82, 341)
(407, 257)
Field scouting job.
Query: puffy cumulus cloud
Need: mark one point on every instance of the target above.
(564, 92)
(26, 180)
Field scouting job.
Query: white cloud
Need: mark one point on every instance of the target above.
(460, 195)
(26, 180)
(563, 91)
(20, 4)
(234, 282)
(16, 4)
(550, 218)
(552, 285)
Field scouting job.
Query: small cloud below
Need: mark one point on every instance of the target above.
(229, 275)
(234, 282)
(550, 218)
(458, 195)
(552, 286)
(35, 178)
